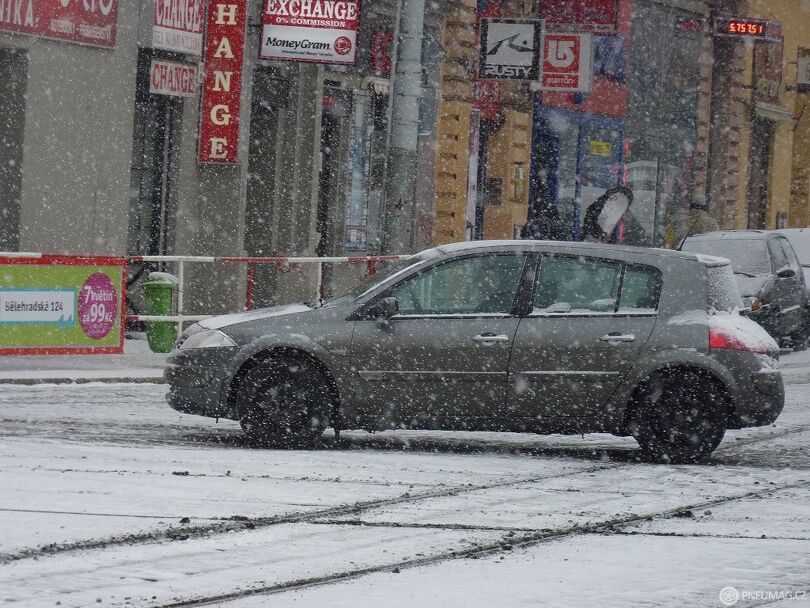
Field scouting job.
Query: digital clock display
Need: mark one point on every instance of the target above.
(742, 28)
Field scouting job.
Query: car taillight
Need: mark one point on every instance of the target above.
(724, 338)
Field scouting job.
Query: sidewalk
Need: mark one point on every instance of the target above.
(137, 364)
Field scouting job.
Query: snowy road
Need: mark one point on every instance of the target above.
(107, 497)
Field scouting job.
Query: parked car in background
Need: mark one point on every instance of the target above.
(800, 241)
(769, 275)
(521, 336)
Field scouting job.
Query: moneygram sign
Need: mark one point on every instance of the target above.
(82, 21)
(177, 26)
(322, 31)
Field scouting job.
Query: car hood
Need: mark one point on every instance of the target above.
(252, 315)
(751, 286)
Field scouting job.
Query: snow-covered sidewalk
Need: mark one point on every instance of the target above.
(137, 364)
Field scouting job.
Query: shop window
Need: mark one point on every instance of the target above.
(13, 82)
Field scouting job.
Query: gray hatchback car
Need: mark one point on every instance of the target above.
(524, 336)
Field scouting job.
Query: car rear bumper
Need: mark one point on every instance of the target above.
(762, 405)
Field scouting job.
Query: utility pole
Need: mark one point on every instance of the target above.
(399, 211)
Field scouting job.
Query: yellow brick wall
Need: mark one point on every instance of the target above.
(791, 149)
(509, 149)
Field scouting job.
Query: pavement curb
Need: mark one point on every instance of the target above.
(122, 380)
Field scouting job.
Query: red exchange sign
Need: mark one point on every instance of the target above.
(83, 21)
(222, 86)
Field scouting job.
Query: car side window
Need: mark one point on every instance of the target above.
(641, 289)
(483, 284)
(790, 255)
(577, 285)
(778, 259)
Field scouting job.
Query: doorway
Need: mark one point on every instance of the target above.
(759, 165)
(13, 84)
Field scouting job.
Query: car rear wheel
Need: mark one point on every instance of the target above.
(284, 402)
(681, 417)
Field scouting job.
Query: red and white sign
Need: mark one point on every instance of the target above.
(176, 79)
(222, 84)
(83, 21)
(596, 16)
(567, 64)
(177, 26)
(322, 31)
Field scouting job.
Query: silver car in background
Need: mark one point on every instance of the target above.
(525, 336)
(768, 274)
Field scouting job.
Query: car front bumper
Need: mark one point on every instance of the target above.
(197, 381)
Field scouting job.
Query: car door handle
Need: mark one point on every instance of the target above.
(488, 338)
(617, 337)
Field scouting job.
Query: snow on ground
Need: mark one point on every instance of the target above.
(569, 521)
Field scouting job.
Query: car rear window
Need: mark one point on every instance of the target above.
(745, 255)
(723, 294)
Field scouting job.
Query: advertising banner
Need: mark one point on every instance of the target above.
(222, 83)
(81, 21)
(509, 49)
(169, 78)
(322, 31)
(595, 16)
(177, 26)
(62, 305)
(567, 64)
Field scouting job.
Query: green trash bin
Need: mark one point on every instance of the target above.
(159, 293)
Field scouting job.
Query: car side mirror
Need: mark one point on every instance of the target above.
(786, 273)
(383, 309)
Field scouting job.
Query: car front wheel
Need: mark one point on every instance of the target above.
(284, 402)
(681, 417)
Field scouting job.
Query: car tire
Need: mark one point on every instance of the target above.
(680, 417)
(284, 402)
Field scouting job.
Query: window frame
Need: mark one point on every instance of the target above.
(530, 313)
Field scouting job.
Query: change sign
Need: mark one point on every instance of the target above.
(62, 305)
(322, 31)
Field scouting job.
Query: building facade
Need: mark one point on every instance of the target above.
(96, 158)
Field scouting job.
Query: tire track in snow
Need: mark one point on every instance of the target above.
(238, 523)
(607, 526)
(227, 525)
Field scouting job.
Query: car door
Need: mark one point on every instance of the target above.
(786, 291)
(442, 361)
(799, 290)
(589, 321)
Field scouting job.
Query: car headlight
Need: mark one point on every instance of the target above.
(212, 338)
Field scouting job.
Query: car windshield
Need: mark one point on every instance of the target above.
(385, 270)
(747, 256)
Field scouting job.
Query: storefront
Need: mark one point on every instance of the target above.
(662, 119)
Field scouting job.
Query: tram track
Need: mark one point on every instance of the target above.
(226, 525)
(510, 542)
